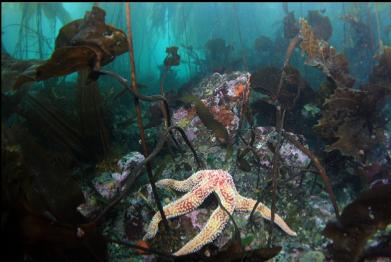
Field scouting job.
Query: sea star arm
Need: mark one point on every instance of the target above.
(244, 204)
(216, 223)
(183, 205)
(184, 185)
(211, 230)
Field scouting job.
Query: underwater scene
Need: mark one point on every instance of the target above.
(196, 131)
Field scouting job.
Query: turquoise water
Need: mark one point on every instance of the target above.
(159, 25)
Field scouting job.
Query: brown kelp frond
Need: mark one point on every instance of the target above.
(362, 32)
(291, 26)
(320, 24)
(13, 70)
(350, 119)
(172, 58)
(81, 44)
(268, 81)
(321, 55)
(208, 120)
(46, 198)
(359, 221)
(53, 124)
(382, 71)
(92, 125)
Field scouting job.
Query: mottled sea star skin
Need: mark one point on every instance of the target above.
(199, 186)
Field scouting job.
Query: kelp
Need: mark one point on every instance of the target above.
(349, 117)
(291, 26)
(321, 169)
(362, 31)
(140, 125)
(81, 44)
(320, 24)
(321, 55)
(172, 58)
(91, 113)
(263, 44)
(63, 62)
(11, 68)
(267, 80)
(218, 54)
(382, 71)
(38, 198)
(53, 124)
(208, 120)
(360, 219)
(241, 162)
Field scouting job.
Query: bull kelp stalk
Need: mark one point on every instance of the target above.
(322, 171)
(280, 116)
(162, 80)
(138, 113)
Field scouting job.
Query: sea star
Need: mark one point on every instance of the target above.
(198, 186)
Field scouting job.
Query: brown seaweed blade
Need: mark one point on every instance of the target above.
(93, 128)
(31, 185)
(358, 222)
(350, 119)
(63, 61)
(51, 120)
(81, 44)
(208, 120)
(321, 55)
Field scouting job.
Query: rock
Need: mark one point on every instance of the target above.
(291, 156)
(108, 183)
(222, 94)
(312, 256)
(128, 162)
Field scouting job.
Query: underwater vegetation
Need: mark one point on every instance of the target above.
(247, 144)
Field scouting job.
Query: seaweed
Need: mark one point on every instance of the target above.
(53, 124)
(172, 58)
(382, 71)
(291, 26)
(350, 119)
(267, 80)
(35, 211)
(321, 55)
(362, 32)
(359, 221)
(91, 113)
(263, 44)
(320, 24)
(218, 53)
(81, 44)
(208, 120)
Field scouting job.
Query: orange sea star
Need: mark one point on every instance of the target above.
(198, 186)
